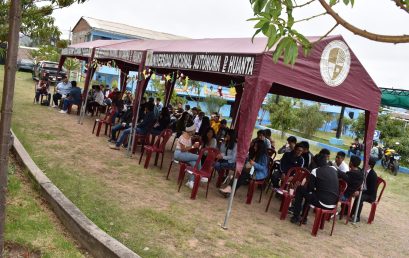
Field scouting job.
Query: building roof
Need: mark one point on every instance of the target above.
(124, 29)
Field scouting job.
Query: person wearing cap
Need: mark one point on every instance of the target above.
(63, 89)
(369, 192)
(183, 148)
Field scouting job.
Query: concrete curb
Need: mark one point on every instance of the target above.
(93, 239)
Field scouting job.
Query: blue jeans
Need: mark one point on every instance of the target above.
(115, 129)
(187, 157)
(125, 133)
(224, 164)
(66, 103)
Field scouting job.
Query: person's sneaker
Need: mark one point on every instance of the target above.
(63, 111)
(204, 180)
(114, 147)
(291, 210)
(295, 219)
(304, 221)
(189, 184)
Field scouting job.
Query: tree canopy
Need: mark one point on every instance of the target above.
(37, 22)
(276, 21)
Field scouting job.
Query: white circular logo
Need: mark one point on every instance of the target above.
(335, 63)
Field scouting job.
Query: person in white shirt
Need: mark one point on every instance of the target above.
(98, 100)
(63, 89)
(198, 121)
(375, 151)
(339, 162)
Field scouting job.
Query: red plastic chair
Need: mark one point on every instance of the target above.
(321, 215)
(299, 176)
(158, 148)
(374, 205)
(206, 170)
(142, 139)
(347, 204)
(106, 121)
(283, 186)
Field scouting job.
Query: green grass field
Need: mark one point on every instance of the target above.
(146, 213)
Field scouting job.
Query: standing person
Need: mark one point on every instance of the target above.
(291, 142)
(98, 100)
(259, 162)
(339, 162)
(181, 123)
(158, 106)
(375, 151)
(74, 97)
(183, 148)
(267, 133)
(322, 189)
(215, 123)
(42, 88)
(63, 89)
(222, 130)
(370, 190)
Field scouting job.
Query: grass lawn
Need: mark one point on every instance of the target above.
(30, 223)
(146, 213)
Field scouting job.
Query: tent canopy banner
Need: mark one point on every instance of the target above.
(203, 62)
(79, 52)
(128, 56)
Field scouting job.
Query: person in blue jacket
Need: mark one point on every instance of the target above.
(256, 167)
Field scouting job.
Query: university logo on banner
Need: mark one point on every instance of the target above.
(335, 63)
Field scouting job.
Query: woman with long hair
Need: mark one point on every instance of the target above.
(257, 162)
(228, 152)
(205, 125)
(209, 139)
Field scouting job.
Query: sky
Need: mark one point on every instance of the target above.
(388, 64)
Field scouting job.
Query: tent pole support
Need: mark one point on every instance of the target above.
(230, 204)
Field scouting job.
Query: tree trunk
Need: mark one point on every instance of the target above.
(340, 122)
(6, 108)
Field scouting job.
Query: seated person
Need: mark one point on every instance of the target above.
(369, 194)
(97, 100)
(209, 139)
(261, 136)
(123, 124)
(204, 125)
(339, 162)
(42, 88)
(183, 148)
(63, 89)
(141, 129)
(163, 121)
(322, 189)
(259, 161)
(291, 141)
(114, 94)
(228, 152)
(307, 155)
(215, 123)
(181, 123)
(324, 152)
(74, 97)
(222, 130)
(354, 177)
(289, 160)
(356, 148)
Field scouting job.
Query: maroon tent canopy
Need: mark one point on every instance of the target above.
(331, 73)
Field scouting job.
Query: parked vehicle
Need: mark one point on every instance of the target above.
(47, 68)
(390, 160)
(26, 65)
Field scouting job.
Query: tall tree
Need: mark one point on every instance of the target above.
(282, 115)
(37, 22)
(309, 119)
(276, 21)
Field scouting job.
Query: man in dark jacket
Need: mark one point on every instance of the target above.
(354, 177)
(369, 194)
(74, 97)
(123, 124)
(321, 191)
(289, 160)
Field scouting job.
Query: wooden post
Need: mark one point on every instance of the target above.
(6, 107)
